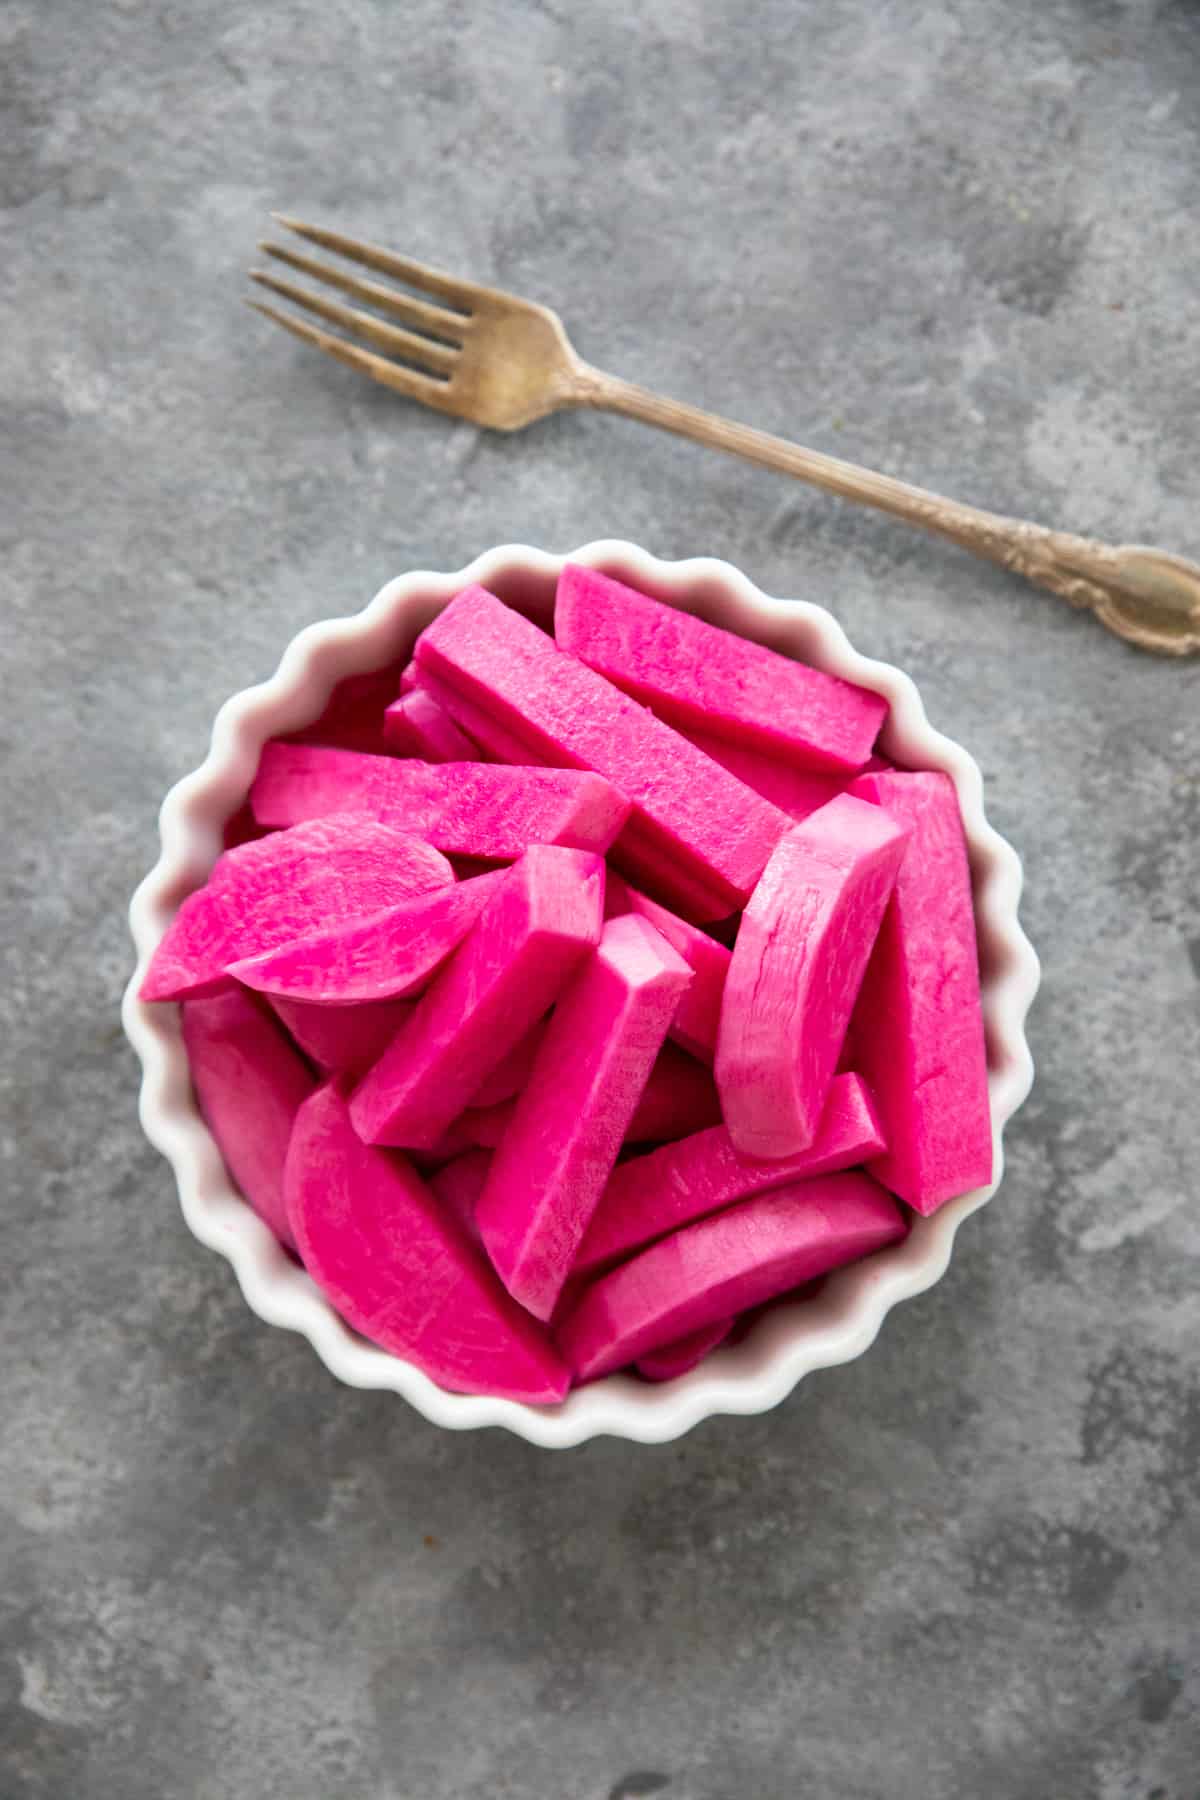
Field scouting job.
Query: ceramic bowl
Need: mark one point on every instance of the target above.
(791, 1339)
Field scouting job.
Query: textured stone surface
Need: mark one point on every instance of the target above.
(955, 240)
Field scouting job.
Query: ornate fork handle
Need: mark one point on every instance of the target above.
(1144, 595)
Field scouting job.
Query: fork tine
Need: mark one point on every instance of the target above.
(433, 319)
(420, 350)
(405, 381)
(461, 294)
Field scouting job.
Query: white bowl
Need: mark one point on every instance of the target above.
(791, 1339)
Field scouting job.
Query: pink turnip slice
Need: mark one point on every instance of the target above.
(512, 1071)
(342, 1040)
(250, 1083)
(279, 888)
(458, 1185)
(670, 1187)
(415, 725)
(794, 789)
(722, 1265)
(400, 1270)
(698, 1014)
(707, 836)
(918, 1029)
(466, 809)
(383, 956)
(545, 915)
(695, 674)
(679, 1097)
(569, 1121)
(801, 950)
(671, 1360)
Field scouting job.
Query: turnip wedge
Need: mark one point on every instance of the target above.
(696, 674)
(275, 889)
(918, 1029)
(751, 1252)
(569, 1121)
(798, 963)
(250, 1083)
(465, 809)
(685, 1180)
(403, 1272)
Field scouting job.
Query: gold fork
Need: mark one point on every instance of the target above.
(503, 362)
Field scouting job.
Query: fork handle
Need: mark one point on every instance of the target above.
(1079, 570)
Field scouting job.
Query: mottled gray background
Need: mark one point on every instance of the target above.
(956, 240)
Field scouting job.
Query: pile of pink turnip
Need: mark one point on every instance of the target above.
(566, 1006)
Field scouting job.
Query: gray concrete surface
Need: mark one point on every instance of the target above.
(955, 240)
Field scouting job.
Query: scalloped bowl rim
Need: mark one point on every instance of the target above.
(789, 1341)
